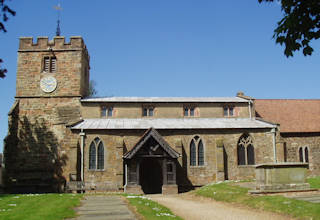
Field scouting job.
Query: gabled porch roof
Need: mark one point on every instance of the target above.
(151, 133)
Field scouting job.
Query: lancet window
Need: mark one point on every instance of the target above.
(304, 154)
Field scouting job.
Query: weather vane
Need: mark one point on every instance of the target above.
(58, 8)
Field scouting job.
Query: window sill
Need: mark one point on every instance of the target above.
(202, 166)
(96, 170)
(45, 72)
(246, 166)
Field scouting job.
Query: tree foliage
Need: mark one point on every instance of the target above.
(5, 12)
(2, 71)
(92, 88)
(299, 26)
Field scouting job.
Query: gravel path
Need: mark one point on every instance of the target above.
(191, 207)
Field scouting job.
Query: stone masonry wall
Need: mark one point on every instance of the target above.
(72, 67)
(311, 140)
(117, 142)
(163, 110)
(37, 156)
(40, 151)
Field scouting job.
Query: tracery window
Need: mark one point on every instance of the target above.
(196, 152)
(304, 154)
(96, 155)
(245, 150)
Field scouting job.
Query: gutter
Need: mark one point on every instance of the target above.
(126, 177)
(273, 131)
(82, 136)
(250, 110)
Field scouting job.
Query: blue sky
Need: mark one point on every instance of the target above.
(168, 48)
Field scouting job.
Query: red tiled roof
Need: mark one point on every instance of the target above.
(293, 115)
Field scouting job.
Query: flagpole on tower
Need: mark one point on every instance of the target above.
(58, 8)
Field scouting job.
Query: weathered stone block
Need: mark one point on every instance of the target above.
(281, 176)
(134, 189)
(169, 189)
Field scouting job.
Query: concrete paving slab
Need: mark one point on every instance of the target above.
(103, 207)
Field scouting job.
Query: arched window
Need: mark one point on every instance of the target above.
(96, 155)
(245, 150)
(196, 152)
(200, 154)
(100, 156)
(250, 154)
(192, 153)
(300, 154)
(241, 155)
(304, 154)
(92, 156)
(285, 152)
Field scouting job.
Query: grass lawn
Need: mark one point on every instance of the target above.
(314, 182)
(229, 192)
(38, 206)
(150, 210)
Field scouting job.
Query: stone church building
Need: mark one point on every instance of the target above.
(60, 139)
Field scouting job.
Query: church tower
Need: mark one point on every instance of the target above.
(52, 77)
(52, 68)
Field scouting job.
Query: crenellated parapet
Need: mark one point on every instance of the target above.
(67, 62)
(58, 43)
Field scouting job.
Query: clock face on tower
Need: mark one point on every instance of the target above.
(48, 84)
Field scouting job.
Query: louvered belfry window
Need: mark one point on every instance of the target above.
(50, 64)
(46, 64)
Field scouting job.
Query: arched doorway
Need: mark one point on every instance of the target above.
(151, 176)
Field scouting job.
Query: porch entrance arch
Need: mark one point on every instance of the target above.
(151, 165)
